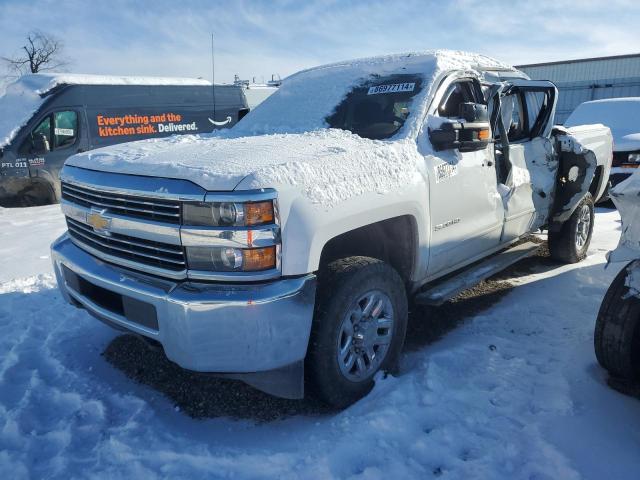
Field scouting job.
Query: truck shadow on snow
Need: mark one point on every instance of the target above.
(204, 396)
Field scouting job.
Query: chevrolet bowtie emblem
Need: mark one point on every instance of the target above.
(98, 220)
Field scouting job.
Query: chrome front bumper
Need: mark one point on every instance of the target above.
(204, 327)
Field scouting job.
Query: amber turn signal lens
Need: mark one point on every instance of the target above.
(483, 134)
(258, 213)
(259, 259)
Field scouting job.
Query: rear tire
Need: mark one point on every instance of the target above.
(617, 332)
(360, 301)
(571, 242)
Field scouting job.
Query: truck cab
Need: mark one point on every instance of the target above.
(285, 250)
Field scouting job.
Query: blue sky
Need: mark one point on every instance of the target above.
(258, 38)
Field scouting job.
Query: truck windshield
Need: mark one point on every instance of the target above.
(378, 108)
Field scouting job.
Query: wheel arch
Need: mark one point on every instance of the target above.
(394, 241)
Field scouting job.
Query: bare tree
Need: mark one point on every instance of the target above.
(42, 52)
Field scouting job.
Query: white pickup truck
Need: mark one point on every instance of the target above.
(284, 252)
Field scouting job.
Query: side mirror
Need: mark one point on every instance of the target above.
(468, 135)
(40, 144)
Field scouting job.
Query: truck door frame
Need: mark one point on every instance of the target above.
(465, 207)
(526, 204)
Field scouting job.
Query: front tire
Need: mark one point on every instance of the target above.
(571, 242)
(617, 332)
(358, 328)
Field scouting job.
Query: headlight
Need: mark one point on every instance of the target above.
(224, 259)
(228, 214)
(634, 158)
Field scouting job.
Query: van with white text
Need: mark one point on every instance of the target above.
(46, 118)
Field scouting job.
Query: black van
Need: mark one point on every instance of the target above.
(72, 117)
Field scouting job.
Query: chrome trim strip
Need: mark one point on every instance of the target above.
(242, 195)
(86, 228)
(149, 269)
(235, 276)
(119, 207)
(170, 204)
(134, 185)
(75, 230)
(130, 226)
(235, 237)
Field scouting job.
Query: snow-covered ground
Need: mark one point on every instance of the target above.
(513, 393)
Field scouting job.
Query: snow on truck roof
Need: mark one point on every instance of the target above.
(313, 93)
(27, 94)
(445, 59)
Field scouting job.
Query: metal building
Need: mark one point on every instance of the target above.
(588, 79)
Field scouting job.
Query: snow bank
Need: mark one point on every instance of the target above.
(27, 94)
(513, 393)
(626, 197)
(621, 115)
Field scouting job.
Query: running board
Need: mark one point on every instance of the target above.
(447, 289)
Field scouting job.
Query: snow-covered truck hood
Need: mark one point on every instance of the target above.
(328, 165)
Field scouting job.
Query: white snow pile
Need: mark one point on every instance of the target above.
(513, 393)
(626, 197)
(621, 115)
(27, 94)
(328, 166)
(286, 140)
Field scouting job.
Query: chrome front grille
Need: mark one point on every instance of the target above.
(159, 210)
(136, 222)
(155, 254)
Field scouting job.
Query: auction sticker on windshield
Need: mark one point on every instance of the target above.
(392, 88)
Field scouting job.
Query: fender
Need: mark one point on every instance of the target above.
(307, 227)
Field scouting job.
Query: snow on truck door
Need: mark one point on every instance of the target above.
(522, 119)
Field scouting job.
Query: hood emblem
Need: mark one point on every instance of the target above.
(98, 220)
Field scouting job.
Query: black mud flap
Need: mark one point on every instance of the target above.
(285, 382)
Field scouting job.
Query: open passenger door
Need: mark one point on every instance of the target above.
(522, 113)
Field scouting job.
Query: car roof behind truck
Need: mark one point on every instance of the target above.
(29, 93)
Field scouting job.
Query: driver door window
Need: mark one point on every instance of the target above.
(43, 131)
(457, 94)
(513, 117)
(56, 131)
